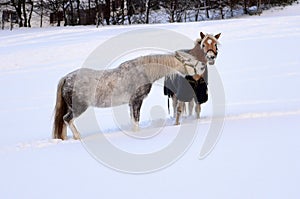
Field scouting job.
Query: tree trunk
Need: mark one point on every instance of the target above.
(148, 4)
(18, 8)
(89, 13)
(30, 14)
(245, 7)
(72, 13)
(78, 13)
(197, 7)
(42, 13)
(123, 10)
(113, 9)
(65, 14)
(24, 12)
(107, 11)
(221, 8)
(130, 11)
(11, 23)
(206, 9)
(97, 20)
(173, 7)
(2, 20)
(231, 7)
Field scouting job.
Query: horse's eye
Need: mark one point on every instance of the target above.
(203, 46)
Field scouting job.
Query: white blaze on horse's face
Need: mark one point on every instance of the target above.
(209, 44)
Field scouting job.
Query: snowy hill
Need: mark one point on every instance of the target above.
(257, 155)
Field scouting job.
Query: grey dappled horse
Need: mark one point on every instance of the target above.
(129, 84)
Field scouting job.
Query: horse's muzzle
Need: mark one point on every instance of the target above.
(211, 57)
(211, 62)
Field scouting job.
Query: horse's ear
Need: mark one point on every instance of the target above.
(202, 35)
(217, 36)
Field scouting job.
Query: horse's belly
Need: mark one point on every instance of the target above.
(111, 101)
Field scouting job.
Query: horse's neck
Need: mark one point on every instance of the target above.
(164, 66)
(198, 53)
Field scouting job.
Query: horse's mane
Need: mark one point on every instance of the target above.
(154, 65)
(167, 59)
(198, 41)
(161, 59)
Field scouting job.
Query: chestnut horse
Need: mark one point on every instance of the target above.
(189, 88)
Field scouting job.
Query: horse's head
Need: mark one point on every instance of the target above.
(209, 44)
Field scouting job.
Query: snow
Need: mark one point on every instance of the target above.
(257, 155)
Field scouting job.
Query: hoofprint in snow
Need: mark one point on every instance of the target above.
(256, 156)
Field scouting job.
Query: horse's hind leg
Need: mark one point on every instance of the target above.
(74, 130)
(198, 110)
(191, 106)
(69, 120)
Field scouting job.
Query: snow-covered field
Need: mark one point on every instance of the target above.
(257, 155)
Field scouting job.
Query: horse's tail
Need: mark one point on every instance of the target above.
(61, 108)
(168, 105)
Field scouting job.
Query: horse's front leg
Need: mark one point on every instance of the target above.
(135, 107)
(136, 102)
(178, 111)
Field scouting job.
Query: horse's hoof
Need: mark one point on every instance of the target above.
(135, 128)
(64, 138)
(76, 138)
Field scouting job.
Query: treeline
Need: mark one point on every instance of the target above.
(107, 12)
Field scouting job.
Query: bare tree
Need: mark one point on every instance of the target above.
(17, 4)
(206, 6)
(30, 13)
(106, 12)
(176, 9)
(78, 18)
(21, 7)
(148, 7)
(41, 8)
(130, 10)
(122, 6)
